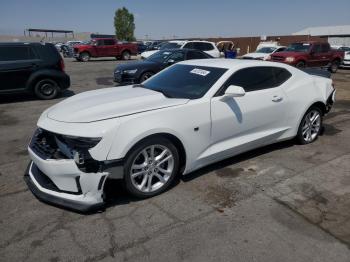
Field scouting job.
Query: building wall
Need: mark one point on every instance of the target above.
(249, 44)
(342, 41)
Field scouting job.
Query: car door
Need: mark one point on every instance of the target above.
(16, 65)
(111, 48)
(257, 118)
(315, 56)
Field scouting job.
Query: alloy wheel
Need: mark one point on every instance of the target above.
(311, 126)
(152, 168)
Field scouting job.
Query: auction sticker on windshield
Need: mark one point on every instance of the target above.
(200, 72)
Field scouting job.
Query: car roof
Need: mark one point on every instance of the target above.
(232, 63)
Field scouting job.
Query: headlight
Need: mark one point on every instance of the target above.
(133, 71)
(289, 59)
(80, 142)
(268, 58)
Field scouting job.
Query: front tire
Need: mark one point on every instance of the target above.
(300, 64)
(126, 55)
(46, 89)
(310, 126)
(145, 76)
(84, 57)
(150, 167)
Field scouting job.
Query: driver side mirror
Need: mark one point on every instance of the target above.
(234, 91)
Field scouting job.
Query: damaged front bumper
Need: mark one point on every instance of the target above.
(59, 180)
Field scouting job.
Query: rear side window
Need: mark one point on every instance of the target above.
(203, 46)
(258, 78)
(13, 53)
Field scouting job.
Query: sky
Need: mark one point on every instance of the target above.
(157, 19)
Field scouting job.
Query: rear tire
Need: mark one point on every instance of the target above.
(159, 169)
(46, 89)
(334, 66)
(310, 126)
(126, 55)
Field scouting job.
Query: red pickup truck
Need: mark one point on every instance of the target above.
(310, 54)
(104, 47)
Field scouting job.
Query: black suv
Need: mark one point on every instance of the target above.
(32, 67)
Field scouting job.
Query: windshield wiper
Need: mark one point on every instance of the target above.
(139, 85)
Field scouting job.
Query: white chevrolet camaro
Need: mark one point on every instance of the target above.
(188, 116)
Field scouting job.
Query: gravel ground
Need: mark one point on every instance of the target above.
(283, 202)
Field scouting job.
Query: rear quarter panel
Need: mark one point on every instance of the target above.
(303, 91)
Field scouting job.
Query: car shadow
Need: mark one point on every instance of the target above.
(237, 159)
(116, 195)
(25, 97)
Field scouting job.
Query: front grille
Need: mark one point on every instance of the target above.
(44, 145)
(277, 58)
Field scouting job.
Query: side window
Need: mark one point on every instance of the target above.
(177, 57)
(258, 78)
(207, 47)
(196, 55)
(281, 75)
(108, 42)
(325, 48)
(317, 48)
(189, 45)
(13, 53)
(203, 46)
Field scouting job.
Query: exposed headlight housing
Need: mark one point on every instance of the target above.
(290, 59)
(131, 72)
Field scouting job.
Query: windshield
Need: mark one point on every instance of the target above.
(185, 81)
(266, 50)
(298, 47)
(170, 46)
(159, 57)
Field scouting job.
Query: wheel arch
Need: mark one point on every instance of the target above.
(40, 75)
(174, 139)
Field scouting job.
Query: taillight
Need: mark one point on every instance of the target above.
(61, 64)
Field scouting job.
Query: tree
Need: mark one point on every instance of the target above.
(124, 24)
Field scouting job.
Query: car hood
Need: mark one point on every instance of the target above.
(110, 103)
(288, 53)
(136, 65)
(256, 55)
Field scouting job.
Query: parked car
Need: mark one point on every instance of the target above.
(104, 47)
(58, 46)
(346, 61)
(74, 42)
(175, 44)
(187, 116)
(310, 54)
(139, 71)
(32, 67)
(205, 46)
(264, 52)
(153, 45)
(141, 47)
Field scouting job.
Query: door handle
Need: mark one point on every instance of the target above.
(277, 98)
